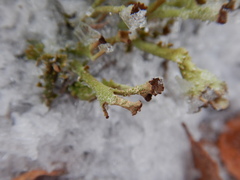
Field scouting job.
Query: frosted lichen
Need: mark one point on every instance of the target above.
(201, 81)
(106, 47)
(86, 34)
(108, 94)
(133, 20)
(203, 87)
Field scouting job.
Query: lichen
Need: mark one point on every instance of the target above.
(66, 71)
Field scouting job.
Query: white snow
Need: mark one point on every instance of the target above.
(149, 146)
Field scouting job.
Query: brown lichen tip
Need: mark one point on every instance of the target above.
(104, 108)
(157, 87)
(230, 5)
(133, 107)
(102, 40)
(222, 17)
(220, 103)
(137, 7)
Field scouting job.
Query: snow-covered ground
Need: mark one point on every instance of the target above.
(74, 134)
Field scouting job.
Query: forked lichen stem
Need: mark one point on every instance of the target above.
(204, 13)
(107, 9)
(104, 94)
(201, 81)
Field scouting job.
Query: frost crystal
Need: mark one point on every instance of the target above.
(184, 85)
(209, 94)
(106, 47)
(89, 11)
(135, 20)
(133, 35)
(194, 105)
(86, 34)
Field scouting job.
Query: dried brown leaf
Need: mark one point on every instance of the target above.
(202, 160)
(34, 174)
(229, 146)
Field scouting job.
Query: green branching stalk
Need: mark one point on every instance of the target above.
(60, 70)
(167, 53)
(107, 9)
(182, 3)
(84, 51)
(80, 51)
(107, 94)
(152, 7)
(153, 87)
(82, 91)
(115, 85)
(203, 85)
(97, 3)
(202, 12)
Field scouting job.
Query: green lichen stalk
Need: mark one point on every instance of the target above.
(66, 71)
(106, 95)
(203, 85)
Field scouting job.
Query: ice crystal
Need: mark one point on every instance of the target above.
(194, 105)
(133, 35)
(86, 34)
(106, 47)
(89, 11)
(209, 94)
(135, 20)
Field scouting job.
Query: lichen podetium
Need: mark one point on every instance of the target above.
(66, 70)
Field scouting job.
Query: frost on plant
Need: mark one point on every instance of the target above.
(203, 85)
(107, 93)
(104, 46)
(134, 17)
(86, 34)
(67, 70)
